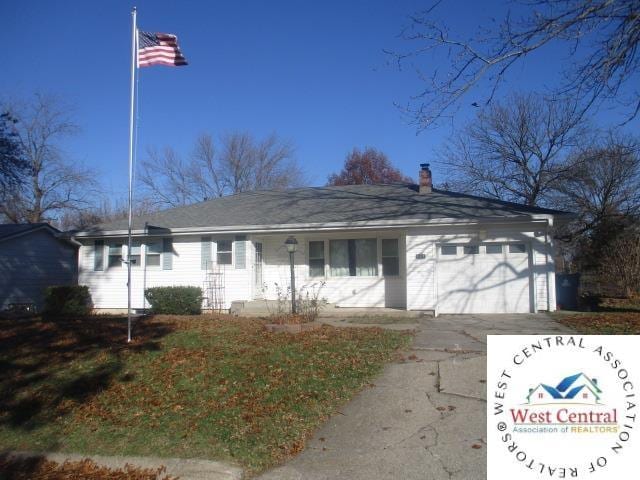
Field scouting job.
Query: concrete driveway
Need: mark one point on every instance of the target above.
(424, 418)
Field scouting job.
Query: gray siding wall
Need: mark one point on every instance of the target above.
(32, 262)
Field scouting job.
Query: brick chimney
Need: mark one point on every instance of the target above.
(426, 183)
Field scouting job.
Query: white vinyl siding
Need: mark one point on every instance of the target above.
(496, 278)
(343, 291)
(109, 287)
(420, 285)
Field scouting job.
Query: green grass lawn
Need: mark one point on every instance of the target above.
(199, 387)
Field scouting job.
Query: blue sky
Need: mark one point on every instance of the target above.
(312, 72)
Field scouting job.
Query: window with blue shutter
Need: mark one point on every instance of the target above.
(241, 251)
(205, 252)
(167, 254)
(153, 253)
(98, 255)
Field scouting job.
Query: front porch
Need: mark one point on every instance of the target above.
(348, 269)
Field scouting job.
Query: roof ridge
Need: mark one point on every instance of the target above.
(328, 204)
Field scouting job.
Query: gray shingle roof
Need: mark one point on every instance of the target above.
(353, 203)
(9, 229)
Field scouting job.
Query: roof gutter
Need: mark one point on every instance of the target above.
(547, 219)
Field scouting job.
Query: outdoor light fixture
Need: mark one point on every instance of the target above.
(292, 244)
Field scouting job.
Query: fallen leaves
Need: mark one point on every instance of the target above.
(41, 469)
(607, 323)
(211, 387)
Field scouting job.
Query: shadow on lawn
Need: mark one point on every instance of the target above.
(19, 468)
(39, 382)
(28, 467)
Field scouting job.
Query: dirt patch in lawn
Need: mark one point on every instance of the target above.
(607, 323)
(194, 387)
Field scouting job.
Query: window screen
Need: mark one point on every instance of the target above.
(517, 248)
(115, 256)
(448, 249)
(152, 256)
(98, 255)
(205, 252)
(354, 258)
(223, 253)
(316, 259)
(241, 251)
(390, 257)
(471, 250)
(136, 254)
(493, 249)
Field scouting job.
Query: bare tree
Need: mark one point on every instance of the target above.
(107, 211)
(13, 166)
(241, 164)
(368, 167)
(517, 151)
(604, 181)
(169, 178)
(620, 265)
(53, 184)
(600, 36)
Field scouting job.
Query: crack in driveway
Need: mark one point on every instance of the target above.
(379, 434)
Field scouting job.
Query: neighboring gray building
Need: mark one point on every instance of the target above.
(33, 257)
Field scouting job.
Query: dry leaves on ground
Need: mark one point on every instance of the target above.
(41, 469)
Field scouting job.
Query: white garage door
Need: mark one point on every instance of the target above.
(485, 278)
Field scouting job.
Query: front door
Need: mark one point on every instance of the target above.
(257, 271)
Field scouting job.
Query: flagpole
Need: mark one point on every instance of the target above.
(131, 143)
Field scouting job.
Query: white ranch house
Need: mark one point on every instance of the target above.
(401, 246)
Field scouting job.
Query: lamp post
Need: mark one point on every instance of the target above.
(292, 244)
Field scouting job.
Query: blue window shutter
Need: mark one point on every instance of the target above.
(205, 252)
(98, 255)
(167, 254)
(241, 251)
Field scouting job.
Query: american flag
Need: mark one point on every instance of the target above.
(159, 49)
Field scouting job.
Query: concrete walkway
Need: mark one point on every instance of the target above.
(425, 417)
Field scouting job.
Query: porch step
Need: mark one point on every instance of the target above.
(255, 308)
(263, 308)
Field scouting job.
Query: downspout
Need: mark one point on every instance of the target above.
(548, 247)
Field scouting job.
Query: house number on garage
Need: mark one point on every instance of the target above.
(420, 256)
